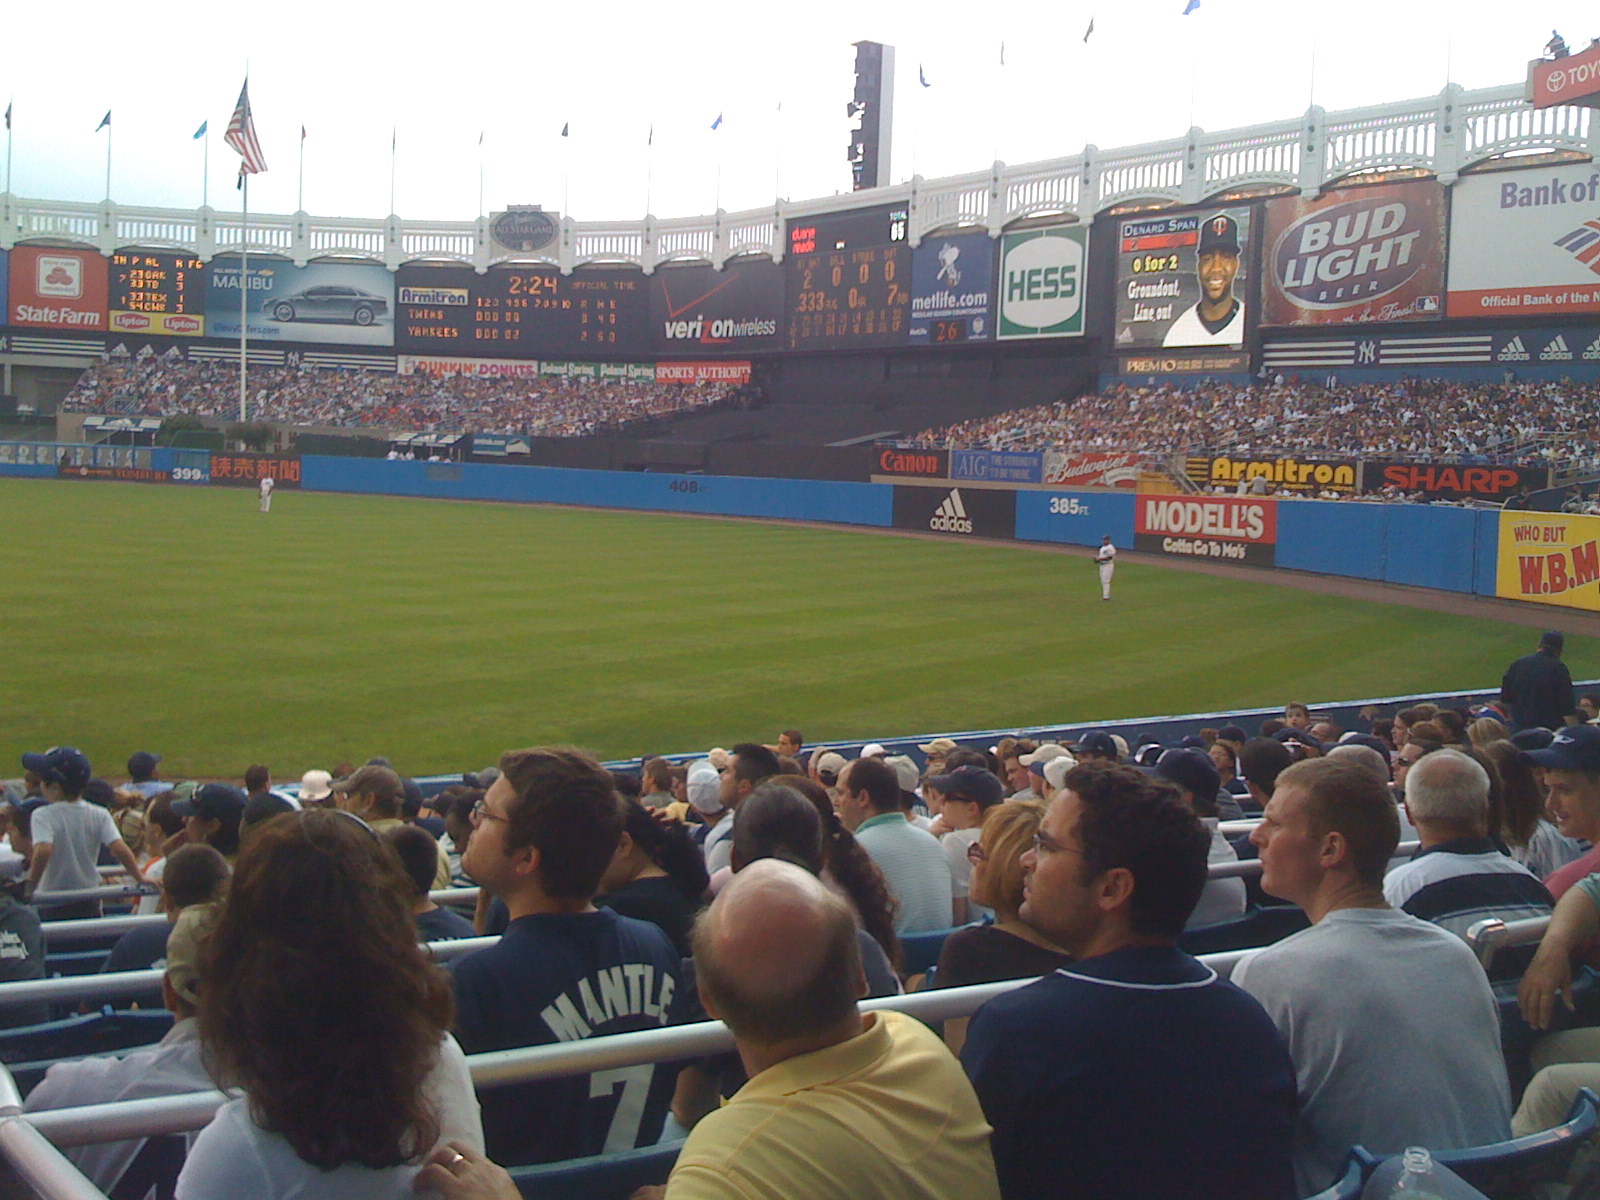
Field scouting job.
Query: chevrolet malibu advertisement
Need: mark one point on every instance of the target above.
(341, 303)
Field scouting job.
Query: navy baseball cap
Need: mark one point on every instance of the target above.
(64, 766)
(1192, 770)
(1219, 232)
(973, 784)
(1575, 748)
(1535, 737)
(142, 765)
(1097, 741)
(215, 801)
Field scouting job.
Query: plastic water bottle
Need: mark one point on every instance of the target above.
(1417, 1180)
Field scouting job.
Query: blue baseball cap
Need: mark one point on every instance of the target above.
(1575, 748)
(64, 766)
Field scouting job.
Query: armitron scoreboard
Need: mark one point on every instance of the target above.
(849, 279)
(157, 292)
(521, 312)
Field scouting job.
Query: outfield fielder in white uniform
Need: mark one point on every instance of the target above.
(1106, 559)
(267, 485)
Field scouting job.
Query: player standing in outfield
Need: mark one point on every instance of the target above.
(267, 485)
(1106, 559)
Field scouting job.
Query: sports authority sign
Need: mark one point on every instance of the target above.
(1365, 254)
(1550, 558)
(1042, 282)
(978, 512)
(1524, 243)
(1235, 529)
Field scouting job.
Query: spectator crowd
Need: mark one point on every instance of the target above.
(773, 887)
(542, 406)
(1530, 422)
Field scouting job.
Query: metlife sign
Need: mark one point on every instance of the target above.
(1042, 282)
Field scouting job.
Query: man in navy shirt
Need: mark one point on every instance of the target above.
(563, 970)
(1134, 1072)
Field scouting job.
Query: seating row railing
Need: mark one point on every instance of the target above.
(31, 1143)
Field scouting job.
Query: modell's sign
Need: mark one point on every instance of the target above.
(890, 460)
(1224, 528)
(1453, 481)
(1307, 476)
(1356, 255)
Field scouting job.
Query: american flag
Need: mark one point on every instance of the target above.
(241, 135)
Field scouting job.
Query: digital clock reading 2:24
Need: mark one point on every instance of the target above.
(849, 280)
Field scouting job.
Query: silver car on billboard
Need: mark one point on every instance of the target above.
(328, 302)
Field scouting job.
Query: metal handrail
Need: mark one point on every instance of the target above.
(93, 1124)
(115, 891)
(1488, 937)
(41, 1165)
(88, 929)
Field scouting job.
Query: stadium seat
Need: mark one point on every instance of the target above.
(603, 1177)
(1350, 1185)
(74, 962)
(920, 951)
(30, 1050)
(1260, 926)
(1515, 1169)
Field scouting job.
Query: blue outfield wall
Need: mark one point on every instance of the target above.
(1333, 537)
(29, 470)
(1075, 518)
(793, 499)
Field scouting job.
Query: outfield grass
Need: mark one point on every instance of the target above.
(181, 620)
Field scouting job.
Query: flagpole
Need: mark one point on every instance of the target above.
(109, 130)
(480, 174)
(394, 143)
(205, 170)
(300, 188)
(8, 147)
(244, 296)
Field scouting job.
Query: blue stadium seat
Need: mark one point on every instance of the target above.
(1349, 1186)
(1260, 926)
(74, 962)
(919, 951)
(603, 1177)
(1516, 1168)
(30, 1050)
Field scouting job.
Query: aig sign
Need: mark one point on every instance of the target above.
(1042, 282)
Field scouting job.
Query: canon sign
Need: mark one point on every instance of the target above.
(1358, 250)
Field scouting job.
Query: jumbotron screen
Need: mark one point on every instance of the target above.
(522, 312)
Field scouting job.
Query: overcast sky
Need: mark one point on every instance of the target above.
(780, 76)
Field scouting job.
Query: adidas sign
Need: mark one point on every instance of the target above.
(1556, 350)
(951, 515)
(1591, 352)
(1513, 351)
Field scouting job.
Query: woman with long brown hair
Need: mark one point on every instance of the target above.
(317, 1003)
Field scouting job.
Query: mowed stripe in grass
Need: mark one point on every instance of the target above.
(337, 627)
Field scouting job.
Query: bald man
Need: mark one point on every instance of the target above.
(839, 1104)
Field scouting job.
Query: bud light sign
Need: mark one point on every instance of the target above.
(1356, 255)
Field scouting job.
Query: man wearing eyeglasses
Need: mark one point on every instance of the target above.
(1134, 1072)
(543, 836)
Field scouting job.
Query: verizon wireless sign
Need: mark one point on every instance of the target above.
(1225, 528)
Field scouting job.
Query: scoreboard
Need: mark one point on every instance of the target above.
(849, 280)
(525, 312)
(157, 292)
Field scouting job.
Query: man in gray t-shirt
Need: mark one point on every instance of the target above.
(1390, 1020)
(69, 831)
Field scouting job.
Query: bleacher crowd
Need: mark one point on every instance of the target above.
(1532, 422)
(545, 406)
(773, 887)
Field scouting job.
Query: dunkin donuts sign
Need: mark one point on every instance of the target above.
(1225, 528)
(1356, 255)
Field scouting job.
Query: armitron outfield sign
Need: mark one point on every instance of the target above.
(1227, 528)
(1550, 558)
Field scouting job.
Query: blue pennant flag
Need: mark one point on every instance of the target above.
(104, 121)
(1190, 7)
(921, 77)
(717, 124)
(201, 132)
